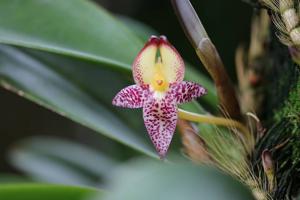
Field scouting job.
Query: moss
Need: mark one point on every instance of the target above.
(290, 112)
(280, 115)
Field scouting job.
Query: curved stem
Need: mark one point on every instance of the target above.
(213, 120)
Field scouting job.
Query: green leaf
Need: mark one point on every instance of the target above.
(100, 83)
(33, 79)
(50, 159)
(141, 30)
(46, 192)
(44, 169)
(77, 28)
(152, 180)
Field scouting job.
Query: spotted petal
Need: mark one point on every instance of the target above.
(160, 118)
(186, 91)
(172, 63)
(132, 96)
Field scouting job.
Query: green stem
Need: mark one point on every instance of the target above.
(194, 117)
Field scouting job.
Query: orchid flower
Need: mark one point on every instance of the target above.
(158, 72)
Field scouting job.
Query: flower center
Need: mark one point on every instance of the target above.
(159, 82)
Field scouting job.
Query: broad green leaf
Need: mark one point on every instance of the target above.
(152, 180)
(44, 169)
(77, 28)
(34, 80)
(100, 83)
(141, 30)
(50, 159)
(46, 192)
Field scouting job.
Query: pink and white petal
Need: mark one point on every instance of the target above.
(132, 96)
(186, 91)
(160, 118)
(173, 65)
(143, 66)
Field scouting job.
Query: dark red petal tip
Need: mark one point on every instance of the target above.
(157, 40)
(163, 38)
(153, 39)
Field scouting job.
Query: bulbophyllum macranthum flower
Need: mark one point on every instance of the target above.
(158, 72)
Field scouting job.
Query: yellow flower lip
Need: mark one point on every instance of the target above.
(159, 82)
(158, 64)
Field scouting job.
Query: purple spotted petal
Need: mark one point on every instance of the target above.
(132, 96)
(186, 91)
(160, 118)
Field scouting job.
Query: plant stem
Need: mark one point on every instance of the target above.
(194, 117)
(209, 56)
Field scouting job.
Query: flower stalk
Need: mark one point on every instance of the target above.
(194, 117)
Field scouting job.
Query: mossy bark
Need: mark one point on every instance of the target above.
(280, 113)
